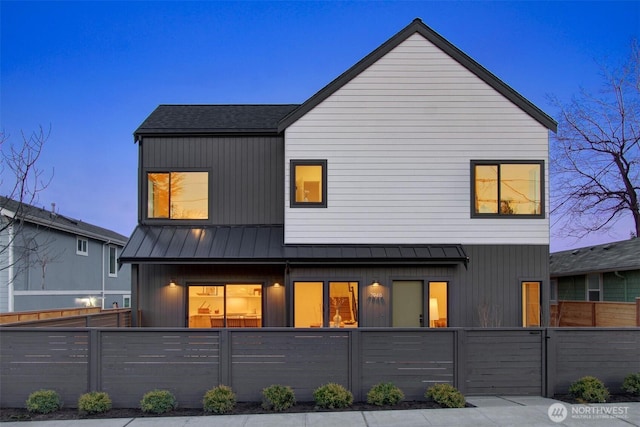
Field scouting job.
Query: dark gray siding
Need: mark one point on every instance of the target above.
(163, 306)
(492, 283)
(246, 174)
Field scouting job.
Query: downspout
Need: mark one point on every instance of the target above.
(625, 283)
(10, 304)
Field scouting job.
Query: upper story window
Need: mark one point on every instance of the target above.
(309, 183)
(82, 246)
(507, 188)
(178, 195)
(113, 257)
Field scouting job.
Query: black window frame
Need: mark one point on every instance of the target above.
(292, 183)
(498, 163)
(169, 220)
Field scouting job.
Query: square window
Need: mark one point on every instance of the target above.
(507, 189)
(82, 246)
(309, 183)
(178, 195)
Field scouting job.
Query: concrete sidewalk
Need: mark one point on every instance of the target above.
(489, 411)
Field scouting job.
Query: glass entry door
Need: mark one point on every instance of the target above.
(225, 305)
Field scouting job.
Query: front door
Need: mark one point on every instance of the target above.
(407, 303)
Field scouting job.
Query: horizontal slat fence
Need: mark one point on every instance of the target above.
(128, 362)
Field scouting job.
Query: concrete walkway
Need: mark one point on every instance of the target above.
(489, 411)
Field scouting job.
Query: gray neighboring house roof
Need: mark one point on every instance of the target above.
(263, 244)
(615, 256)
(205, 119)
(40, 216)
(417, 26)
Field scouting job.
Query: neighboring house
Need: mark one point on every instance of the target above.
(48, 260)
(410, 191)
(609, 272)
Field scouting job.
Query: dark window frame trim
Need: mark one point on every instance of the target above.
(472, 182)
(166, 221)
(292, 183)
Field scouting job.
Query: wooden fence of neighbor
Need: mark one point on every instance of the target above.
(69, 317)
(128, 362)
(595, 313)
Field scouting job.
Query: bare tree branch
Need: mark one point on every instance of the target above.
(595, 155)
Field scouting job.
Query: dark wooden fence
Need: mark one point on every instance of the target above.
(128, 362)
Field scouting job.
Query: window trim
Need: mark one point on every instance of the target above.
(292, 182)
(169, 220)
(85, 242)
(472, 183)
(115, 261)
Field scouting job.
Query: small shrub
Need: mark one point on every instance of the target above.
(158, 402)
(446, 395)
(631, 384)
(278, 398)
(332, 396)
(384, 394)
(589, 390)
(95, 402)
(43, 401)
(219, 400)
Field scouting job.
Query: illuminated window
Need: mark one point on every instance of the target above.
(531, 304)
(438, 314)
(237, 305)
(309, 305)
(507, 188)
(309, 183)
(178, 195)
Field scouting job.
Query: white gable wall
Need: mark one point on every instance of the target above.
(398, 139)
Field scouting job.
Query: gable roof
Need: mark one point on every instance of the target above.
(196, 119)
(417, 26)
(616, 256)
(263, 244)
(40, 216)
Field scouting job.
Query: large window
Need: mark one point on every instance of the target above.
(507, 189)
(178, 195)
(338, 310)
(237, 305)
(309, 183)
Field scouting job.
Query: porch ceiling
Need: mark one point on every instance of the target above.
(263, 244)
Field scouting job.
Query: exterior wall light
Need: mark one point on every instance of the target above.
(375, 283)
(172, 283)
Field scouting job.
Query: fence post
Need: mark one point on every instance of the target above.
(637, 311)
(460, 359)
(224, 372)
(551, 362)
(355, 358)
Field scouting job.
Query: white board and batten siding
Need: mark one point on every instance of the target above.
(398, 139)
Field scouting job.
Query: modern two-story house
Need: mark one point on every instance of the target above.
(411, 191)
(49, 260)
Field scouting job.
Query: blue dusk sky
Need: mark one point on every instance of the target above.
(93, 71)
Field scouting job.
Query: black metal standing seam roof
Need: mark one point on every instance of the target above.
(616, 256)
(263, 244)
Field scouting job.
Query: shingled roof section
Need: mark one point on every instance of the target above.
(195, 119)
(616, 256)
(56, 221)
